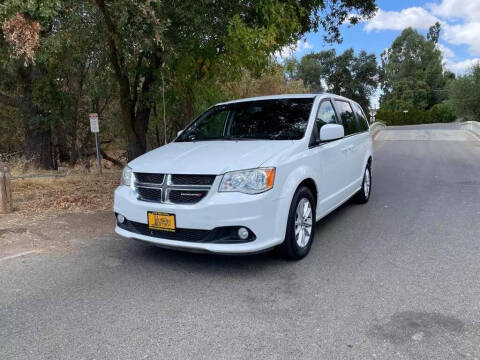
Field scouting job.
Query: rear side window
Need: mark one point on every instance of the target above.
(349, 121)
(362, 119)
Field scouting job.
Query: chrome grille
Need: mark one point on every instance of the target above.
(173, 188)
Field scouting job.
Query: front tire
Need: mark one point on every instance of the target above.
(300, 226)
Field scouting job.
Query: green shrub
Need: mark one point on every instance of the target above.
(443, 113)
(440, 113)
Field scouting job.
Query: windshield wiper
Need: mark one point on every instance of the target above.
(229, 138)
(225, 138)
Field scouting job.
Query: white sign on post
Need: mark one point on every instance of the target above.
(94, 123)
(94, 128)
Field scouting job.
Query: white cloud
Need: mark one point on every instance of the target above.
(303, 45)
(462, 67)
(460, 21)
(464, 9)
(415, 17)
(299, 47)
(467, 33)
(446, 51)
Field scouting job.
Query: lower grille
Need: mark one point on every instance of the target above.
(190, 235)
(220, 235)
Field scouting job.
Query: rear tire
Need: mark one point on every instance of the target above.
(300, 226)
(363, 195)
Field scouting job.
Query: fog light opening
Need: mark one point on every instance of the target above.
(120, 218)
(243, 233)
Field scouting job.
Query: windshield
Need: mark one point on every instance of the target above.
(277, 119)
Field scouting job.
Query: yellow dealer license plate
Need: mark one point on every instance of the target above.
(161, 221)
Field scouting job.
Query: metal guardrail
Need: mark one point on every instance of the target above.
(473, 126)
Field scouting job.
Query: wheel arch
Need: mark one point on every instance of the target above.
(297, 177)
(310, 184)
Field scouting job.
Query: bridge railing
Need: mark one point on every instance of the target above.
(473, 126)
(376, 127)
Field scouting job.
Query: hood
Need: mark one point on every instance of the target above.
(209, 157)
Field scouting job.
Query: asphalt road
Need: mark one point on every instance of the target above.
(398, 278)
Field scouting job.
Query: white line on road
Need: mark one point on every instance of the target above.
(18, 255)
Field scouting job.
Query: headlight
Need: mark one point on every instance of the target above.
(127, 177)
(252, 181)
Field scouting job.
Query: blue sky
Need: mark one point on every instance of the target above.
(459, 39)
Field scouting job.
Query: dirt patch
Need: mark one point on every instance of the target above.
(53, 210)
(51, 232)
(38, 197)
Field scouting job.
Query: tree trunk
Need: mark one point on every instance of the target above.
(135, 148)
(142, 118)
(61, 147)
(38, 132)
(39, 147)
(134, 103)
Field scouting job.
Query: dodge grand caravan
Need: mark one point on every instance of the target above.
(249, 175)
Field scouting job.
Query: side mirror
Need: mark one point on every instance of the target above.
(330, 132)
(179, 133)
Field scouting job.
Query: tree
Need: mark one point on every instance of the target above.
(412, 72)
(464, 94)
(355, 77)
(50, 56)
(190, 40)
(311, 71)
(434, 33)
(24, 27)
(63, 58)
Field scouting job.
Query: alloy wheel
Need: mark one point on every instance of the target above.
(303, 222)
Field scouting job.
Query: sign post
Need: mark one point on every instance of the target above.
(94, 127)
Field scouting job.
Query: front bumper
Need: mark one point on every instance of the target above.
(259, 213)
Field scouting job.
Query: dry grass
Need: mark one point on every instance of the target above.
(74, 193)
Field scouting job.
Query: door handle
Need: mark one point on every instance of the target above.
(345, 149)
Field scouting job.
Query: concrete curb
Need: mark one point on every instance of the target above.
(473, 127)
(376, 127)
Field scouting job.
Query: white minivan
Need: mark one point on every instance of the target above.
(249, 175)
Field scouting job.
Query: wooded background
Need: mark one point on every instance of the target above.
(128, 60)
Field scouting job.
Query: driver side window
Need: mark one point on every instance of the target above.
(211, 125)
(325, 115)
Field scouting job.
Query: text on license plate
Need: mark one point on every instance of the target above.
(161, 221)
